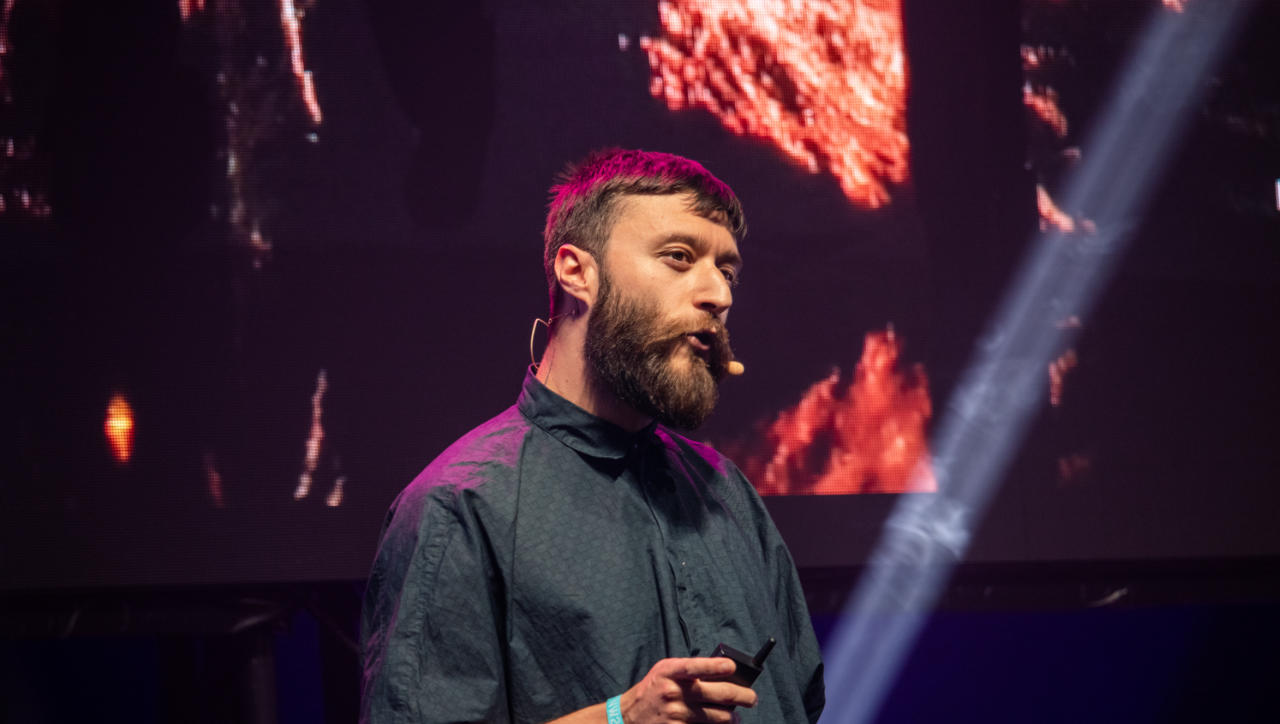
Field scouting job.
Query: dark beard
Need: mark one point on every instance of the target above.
(632, 357)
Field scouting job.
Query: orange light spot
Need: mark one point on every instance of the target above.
(1050, 215)
(334, 499)
(118, 428)
(291, 24)
(1058, 370)
(1043, 105)
(1030, 58)
(824, 80)
(315, 439)
(868, 437)
(187, 8)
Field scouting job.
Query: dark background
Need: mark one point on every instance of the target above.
(406, 263)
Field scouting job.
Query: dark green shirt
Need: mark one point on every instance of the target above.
(545, 561)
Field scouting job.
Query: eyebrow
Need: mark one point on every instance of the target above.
(732, 258)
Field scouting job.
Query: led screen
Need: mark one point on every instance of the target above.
(267, 259)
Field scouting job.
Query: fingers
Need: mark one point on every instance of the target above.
(720, 693)
(688, 669)
(678, 709)
(701, 713)
(683, 711)
(698, 677)
(692, 690)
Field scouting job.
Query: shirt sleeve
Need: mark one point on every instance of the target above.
(431, 625)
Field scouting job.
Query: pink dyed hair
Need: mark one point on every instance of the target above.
(584, 201)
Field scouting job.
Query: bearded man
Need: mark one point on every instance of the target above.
(575, 557)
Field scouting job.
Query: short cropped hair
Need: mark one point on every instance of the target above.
(584, 202)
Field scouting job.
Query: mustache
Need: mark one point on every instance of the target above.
(714, 335)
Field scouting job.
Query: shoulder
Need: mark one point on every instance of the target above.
(483, 455)
(481, 463)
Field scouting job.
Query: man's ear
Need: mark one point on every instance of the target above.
(578, 274)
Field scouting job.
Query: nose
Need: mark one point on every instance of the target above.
(713, 294)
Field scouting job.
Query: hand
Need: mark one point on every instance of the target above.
(680, 690)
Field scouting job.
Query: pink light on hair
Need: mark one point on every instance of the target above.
(584, 199)
(824, 80)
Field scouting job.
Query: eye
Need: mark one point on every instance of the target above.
(730, 275)
(680, 256)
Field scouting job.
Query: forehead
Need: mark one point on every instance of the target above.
(654, 219)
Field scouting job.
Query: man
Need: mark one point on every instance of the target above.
(573, 557)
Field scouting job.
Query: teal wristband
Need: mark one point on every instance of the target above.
(613, 708)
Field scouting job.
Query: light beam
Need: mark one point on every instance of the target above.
(926, 535)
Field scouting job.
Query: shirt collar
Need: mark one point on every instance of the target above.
(574, 426)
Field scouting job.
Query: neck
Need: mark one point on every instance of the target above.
(564, 370)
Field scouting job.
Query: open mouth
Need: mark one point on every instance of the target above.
(700, 341)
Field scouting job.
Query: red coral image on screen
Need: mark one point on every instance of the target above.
(826, 82)
(867, 436)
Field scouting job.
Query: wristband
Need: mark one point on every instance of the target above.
(613, 709)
